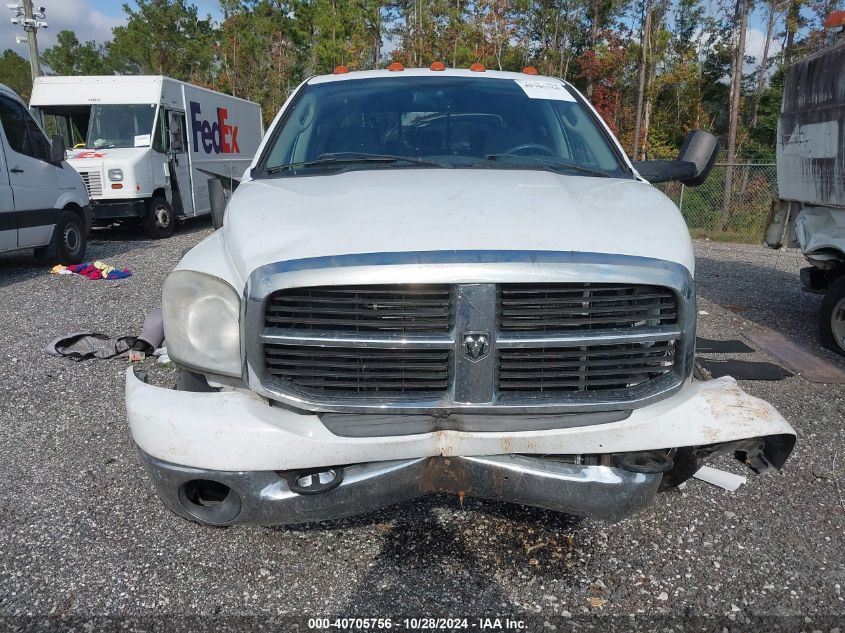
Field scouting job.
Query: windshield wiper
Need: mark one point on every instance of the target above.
(336, 158)
(551, 162)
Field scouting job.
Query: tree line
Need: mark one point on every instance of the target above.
(654, 69)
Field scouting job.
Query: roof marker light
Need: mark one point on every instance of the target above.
(530, 70)
(341, 70)
(477, 68)
(437, 66)
(835, 19)
(395, 67)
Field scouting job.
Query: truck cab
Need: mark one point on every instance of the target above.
(43, 202)
(130, 143)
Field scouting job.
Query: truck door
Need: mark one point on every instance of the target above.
(8, 229)
(34, 181)
(180, 168)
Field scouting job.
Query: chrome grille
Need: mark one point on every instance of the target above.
(93, 182)
(583, 368)
(583, 306)
(389, 308)
(392, 348)
(360, 370)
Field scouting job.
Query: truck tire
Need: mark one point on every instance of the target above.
(832, 317)
(158, 222)
(68, 243)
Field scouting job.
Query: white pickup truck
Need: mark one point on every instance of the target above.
(432, 281)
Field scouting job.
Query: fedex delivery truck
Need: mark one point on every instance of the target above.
(147, 146)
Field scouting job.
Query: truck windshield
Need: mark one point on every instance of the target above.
(120, 126)
(446, 121)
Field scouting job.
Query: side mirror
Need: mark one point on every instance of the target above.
(695, 160)
(217, 197)
(57, 149)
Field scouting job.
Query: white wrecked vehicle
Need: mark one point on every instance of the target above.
(811, 178)
(440, 281)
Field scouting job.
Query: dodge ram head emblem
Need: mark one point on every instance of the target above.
(476, 345)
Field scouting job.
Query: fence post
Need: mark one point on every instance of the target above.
(681, 199)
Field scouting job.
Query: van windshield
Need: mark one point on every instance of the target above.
(120, 126)
(447, 121)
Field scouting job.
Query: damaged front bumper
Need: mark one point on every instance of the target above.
(229, 457)
(271, 498)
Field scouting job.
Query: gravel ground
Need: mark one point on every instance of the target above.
(84, 540)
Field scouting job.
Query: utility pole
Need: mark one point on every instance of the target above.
(31, 22)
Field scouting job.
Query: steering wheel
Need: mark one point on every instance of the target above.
(518, 149)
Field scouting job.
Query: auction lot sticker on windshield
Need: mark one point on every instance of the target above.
(142, 140)
(539, 89)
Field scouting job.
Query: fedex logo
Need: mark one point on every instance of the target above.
(218, 137)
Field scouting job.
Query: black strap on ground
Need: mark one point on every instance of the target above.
(81, 346)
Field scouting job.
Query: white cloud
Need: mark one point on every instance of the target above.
(755, 40)
(74, 15)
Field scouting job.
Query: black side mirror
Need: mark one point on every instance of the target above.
(217, 197)
(57, 149)
(695, 160)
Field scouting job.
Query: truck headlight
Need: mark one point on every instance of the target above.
(201, 322)
(115, 174)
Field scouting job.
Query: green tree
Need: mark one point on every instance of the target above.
(15, 73)
(165, 37)
(70, 57)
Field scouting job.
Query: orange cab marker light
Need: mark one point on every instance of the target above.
(437, 66)
(341, 70)
(395, 66)
(837, 18)
(117, 185)
(530, 70)
(477, 68)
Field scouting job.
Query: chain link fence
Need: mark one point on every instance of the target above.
(739, 216)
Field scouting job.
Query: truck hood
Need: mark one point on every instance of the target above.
(86, 158)
(372, 211)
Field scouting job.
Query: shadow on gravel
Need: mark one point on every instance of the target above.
(106, 244)
(765, 296)
(711, 274)
(134, 233)
(438, 557)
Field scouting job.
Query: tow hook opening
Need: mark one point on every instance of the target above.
(314, 481)
(210, 501)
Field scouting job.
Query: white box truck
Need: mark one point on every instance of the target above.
(146, 146)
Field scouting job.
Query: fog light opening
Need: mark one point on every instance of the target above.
(206, 493)
(210, 501)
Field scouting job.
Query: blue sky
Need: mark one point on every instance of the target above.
(115, 8)
(94, 20)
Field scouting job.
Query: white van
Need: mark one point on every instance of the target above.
(147, 146)
(43, 202)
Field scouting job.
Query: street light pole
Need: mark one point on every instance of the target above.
(31, 22)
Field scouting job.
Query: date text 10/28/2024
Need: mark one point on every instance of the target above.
(416, 624)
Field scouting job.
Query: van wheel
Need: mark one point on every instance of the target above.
(68, 243)
(158, 220)
(832, 317)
